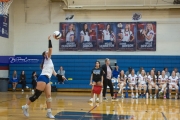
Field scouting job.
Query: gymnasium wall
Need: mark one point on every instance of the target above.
(34, 20)
(6, 44)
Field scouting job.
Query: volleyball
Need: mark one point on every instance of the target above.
(57, 35)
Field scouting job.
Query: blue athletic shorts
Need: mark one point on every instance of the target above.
(43, 78)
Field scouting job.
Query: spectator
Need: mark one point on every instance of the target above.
(166, 71)
(107, 70)
(152, 84)
(154, 69)
(116, 72)
(14, 80)
(140, 70)
(132, 79)
(129, 71)
(173, 81)
(122, 82)
(61, 71)
(163, 83)
(176, 71)
(34, 80)
(23, 80)
(142, 83)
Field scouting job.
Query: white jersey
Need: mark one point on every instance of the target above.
(48, 68)
(132, 78)
(142, 80)
(85, 36)
(107, 35)
(163, 79)
(151, 32)
(151, 78)
(126, 35)
(173, 80)
(68, 36)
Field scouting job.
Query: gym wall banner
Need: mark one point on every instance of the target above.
(4, 26)
(108, 36)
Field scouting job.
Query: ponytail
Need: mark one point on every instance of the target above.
(41, 66)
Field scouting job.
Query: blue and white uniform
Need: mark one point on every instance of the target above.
(47, 71)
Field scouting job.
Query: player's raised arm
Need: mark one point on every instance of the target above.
(50, 47)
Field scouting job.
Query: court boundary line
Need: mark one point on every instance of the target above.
(164, 116)
(87, 112)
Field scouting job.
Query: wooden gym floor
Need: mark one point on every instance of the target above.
(75, 106)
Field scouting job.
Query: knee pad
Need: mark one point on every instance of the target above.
(35, 96)
(150, 87)
(49, 99)
(131, 87)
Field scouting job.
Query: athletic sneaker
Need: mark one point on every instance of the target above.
(150, 96)
(32, 90)
(97, 100)
(122, 96)
(154, 96)
(176, 96)
(49, 115)
(27, 87)
(164, 97)
(91, 100)
(25, 111)
(105, 99)
(22, 90)
(160, 92)
(113, 99)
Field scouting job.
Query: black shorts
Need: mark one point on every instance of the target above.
(96, 81)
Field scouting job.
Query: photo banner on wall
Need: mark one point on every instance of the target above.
(87, 36)
(4, 26)
(108, 36)
(146, 36)
(126, 36)
(69, 39)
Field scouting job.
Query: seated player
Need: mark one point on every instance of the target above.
(132, 79)
(152, 84)
(97, 77)
(163, 83)
(121, 82)
(173, 81)
(142, 83)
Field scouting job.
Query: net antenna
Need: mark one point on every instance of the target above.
(4, 6)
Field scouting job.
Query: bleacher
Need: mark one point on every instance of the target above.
(78, 67)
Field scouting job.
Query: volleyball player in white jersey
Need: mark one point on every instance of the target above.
(173, 81)
(126, 34)
(85, 33)
(162, 80)
(70, 34)
(43, 82)
(132, 79)
(152, 84)
(122, 82)
(142, 83)
(149, 33)
(107, 34)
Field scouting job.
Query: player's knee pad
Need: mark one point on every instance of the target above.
(170, 87)
(150, 87)
(49, 99)
(156, 87)
(35, 96)
(176, 87)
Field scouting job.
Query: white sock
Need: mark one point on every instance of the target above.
(48, 110)
(26, 106)
(97, 99)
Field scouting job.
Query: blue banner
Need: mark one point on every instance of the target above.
(4, 26)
